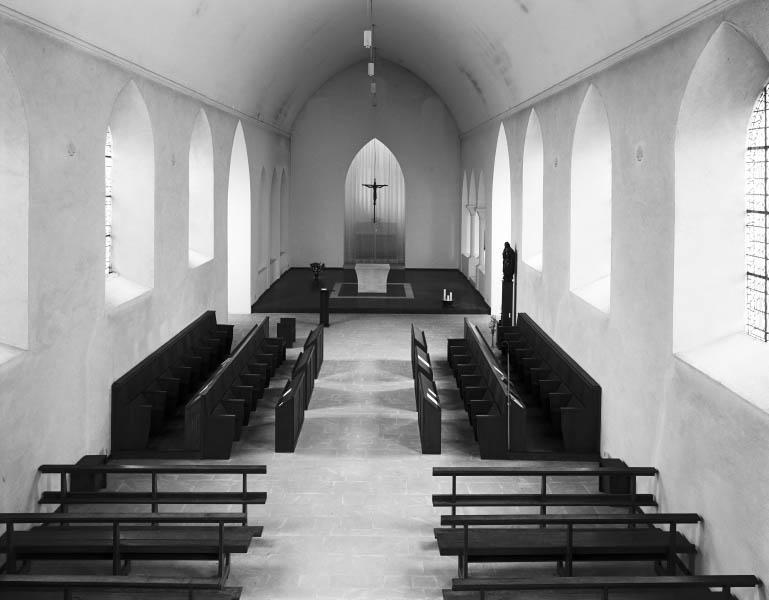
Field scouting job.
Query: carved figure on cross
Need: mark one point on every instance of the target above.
(375, 187)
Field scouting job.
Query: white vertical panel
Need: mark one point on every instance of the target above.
(365, 240)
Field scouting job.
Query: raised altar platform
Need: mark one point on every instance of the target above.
(372, 277)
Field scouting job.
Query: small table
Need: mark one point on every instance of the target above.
(372, 277)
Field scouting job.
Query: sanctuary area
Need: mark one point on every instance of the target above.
(384, 299)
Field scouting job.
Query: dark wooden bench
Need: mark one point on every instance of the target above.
(145, 396)
(566, 393)
(426, 400)
(120, 587)
(214, 418)
(490, 538)
(688, 587)
(65, 497)
(123, 537)
(316, 341)
(545, 498)
(286, 330)
(289, 412)
(496, 413)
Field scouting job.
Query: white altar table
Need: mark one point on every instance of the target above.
(372, 277)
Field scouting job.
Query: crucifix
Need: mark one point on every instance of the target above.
(375, 187)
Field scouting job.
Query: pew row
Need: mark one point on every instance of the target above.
(493, 406)
(696, 587)
(65, 497)
(123, 537)
(426, 398)
(565, 392)
(149, 393)
(214, 418)
(295, 397)
(576, 537)
(632, 500)
(118, 587)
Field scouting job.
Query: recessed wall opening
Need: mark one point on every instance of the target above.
(274, 231)
(716, 181)
(591, 188)
(501, 216)
(239, 227)
(201, 192)
(14, 219)
(129, 199)
(480, 211)
(375, 234)
(465, 211)
(283, 221)
(532, 194)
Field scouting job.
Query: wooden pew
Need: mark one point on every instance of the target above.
(289, 412)
(665, 587)
(429, 415)
(545, 498)
(119, 587)
(152, 390)
(64, 497)
(570, 397)
(215, 416)
(489, 538)
(123, 537)
(315, 339)
(498, 418)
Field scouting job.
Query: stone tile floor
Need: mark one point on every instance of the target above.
(349, 514)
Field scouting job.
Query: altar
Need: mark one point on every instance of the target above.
(372, 277)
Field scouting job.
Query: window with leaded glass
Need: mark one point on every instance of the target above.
(757, 221)
(108, 204)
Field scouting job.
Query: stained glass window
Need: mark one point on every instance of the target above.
(757, 220)
(108, 204)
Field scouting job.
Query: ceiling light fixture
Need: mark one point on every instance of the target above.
(368, 42)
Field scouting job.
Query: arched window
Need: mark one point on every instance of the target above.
(201, 192)
(239, 227)
(465, 217)
(14, 219)
(501, 211)
(480, 222)
(591, 182)
(108, 267)
(284, 221)
(757, 220)
(274, 226)
(129, 198)
(533, 194)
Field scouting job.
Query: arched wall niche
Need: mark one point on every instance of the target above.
(465, 217)
(709, 263)
(133, 198)
(14, 218)
(274, 228)
(260, 239)
(591, 200)
(474, 233)
(501, 216)
(532, 194)
(283, 220)
(201, 192)
(480, 209)
(239, 227)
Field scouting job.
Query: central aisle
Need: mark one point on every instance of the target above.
(349, 514)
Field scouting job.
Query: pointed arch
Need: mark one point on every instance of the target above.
(201, 192)
(591, 212)
(283, 220)
(710, 186)
(131, 214)
(274, 229)
(14, 217)
(464, 208)
(501, 215)
(532, 194)
(239, 226)
(367, 240)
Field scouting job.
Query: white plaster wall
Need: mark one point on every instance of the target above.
(55, 397)
(415, 125)
(710, 445)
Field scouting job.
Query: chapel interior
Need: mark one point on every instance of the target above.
(261, 335)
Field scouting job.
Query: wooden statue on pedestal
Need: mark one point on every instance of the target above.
(509, 261)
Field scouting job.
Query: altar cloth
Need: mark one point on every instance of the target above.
(372, 277)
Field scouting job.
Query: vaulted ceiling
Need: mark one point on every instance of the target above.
(265, 58)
